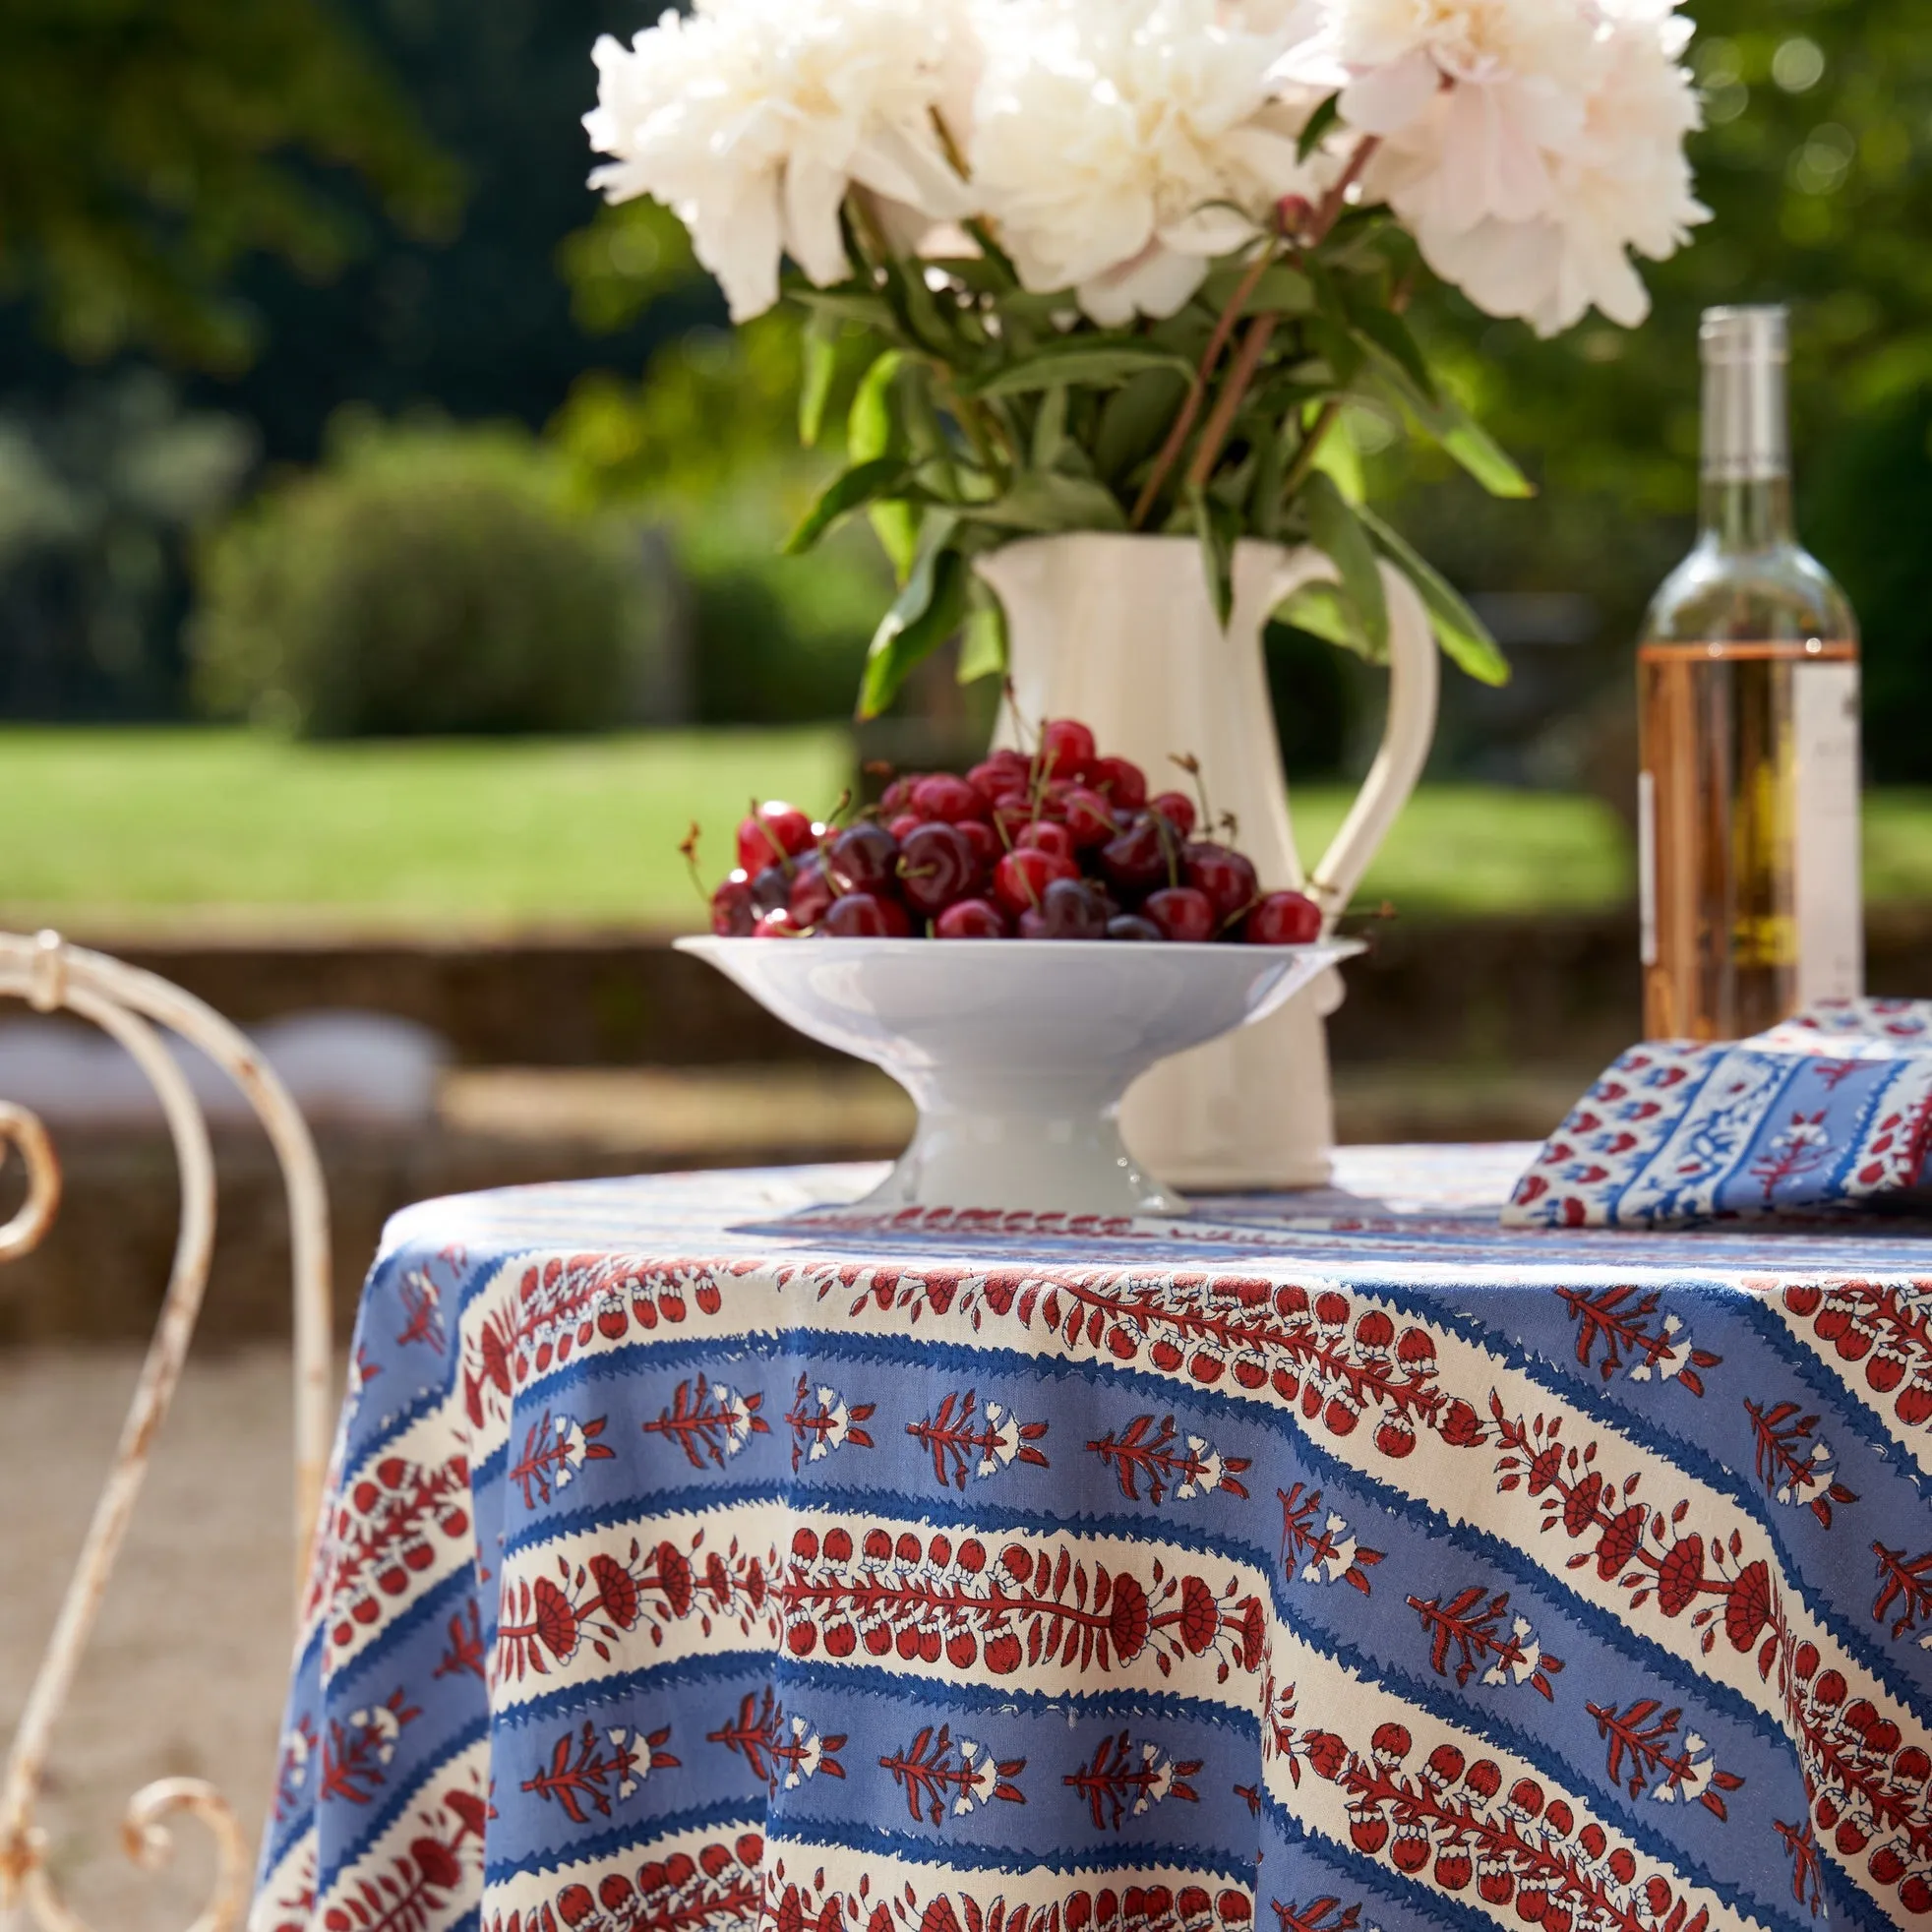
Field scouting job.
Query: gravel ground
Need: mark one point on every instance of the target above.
(185, 1673)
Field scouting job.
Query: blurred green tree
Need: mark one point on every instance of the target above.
(147, 145)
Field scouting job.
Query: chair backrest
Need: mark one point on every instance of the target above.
(128, 1005)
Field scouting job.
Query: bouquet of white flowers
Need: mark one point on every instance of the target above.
(1123, 265)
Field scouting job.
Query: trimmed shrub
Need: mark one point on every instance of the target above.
(427, 578)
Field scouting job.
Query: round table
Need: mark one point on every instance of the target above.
(699, 1554)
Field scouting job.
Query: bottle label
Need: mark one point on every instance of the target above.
(1647, 862)
(1828, 860)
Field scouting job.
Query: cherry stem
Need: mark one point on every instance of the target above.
(690, 850)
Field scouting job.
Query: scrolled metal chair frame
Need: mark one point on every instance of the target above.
(128, 1005)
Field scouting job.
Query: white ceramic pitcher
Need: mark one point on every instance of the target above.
(1120, 631)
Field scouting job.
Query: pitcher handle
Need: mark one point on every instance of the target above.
(1414, 689)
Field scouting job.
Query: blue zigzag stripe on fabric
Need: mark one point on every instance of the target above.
(866, 1679)
(725, 1816)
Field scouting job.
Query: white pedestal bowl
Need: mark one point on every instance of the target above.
(1017, 1053)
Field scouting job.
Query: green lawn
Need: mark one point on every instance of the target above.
(126, 829)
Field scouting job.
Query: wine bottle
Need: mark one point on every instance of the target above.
(1748, 693)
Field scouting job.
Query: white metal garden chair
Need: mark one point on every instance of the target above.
(128, 1004)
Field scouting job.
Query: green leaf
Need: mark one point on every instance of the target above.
(1135, 420)
(862, 484)
(1339, 458)
(1324, 611)
(1217, 529)
(1320, 122)
(1344, 539)
(1101, 365)
(983, 643)
(1282, 290)
(822, 334)
(1050, 500)
(875, 427)
(1460, 434)
(1463, 636)
(1387, 331)
(926, 613)
(1049, 427)
(847, 305)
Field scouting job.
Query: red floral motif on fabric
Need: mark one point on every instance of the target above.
(1619, 1327)
(651, 1587)
(720, 1887)
(442, 1862)
(396, 1523)
(563, 1306)
(925, 1598)
(1455, 1825)
(967, 1442)
(1156, 1460)
(944, 1777)
(783, 1750)
(1128, 1778)
(823, 1422)
(804, 1905)
(1343, 1365)
(1647, 1756)
(555, 1450)
(1479, 1629)
(599, 1769)
(1793, 1464)
(1905, 1588)
(1319, 1915)
(356, 1755)
(710, 1421)
(1885, 1325)
(1323, 1551)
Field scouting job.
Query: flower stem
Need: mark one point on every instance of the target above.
(1191, 409)
(1254, 346)
(1305, 457)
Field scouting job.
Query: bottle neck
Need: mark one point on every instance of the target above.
(1743, 516)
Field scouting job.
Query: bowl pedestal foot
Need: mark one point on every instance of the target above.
(1070, 1161)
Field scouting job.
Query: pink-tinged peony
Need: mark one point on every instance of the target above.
(752, 119)
(1529, 146)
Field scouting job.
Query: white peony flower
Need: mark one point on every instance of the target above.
(1121, 145)
(1528, 144)
(753, 118)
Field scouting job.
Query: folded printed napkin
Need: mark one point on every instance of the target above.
(1829, 1111)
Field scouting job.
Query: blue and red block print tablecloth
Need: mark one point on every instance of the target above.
(1325, 1564)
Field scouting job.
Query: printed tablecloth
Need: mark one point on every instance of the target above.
(696, 1560)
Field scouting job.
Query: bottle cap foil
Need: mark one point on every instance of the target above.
(1746, 424)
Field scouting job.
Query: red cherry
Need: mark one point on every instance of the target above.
(771, 889)
(896, 798)
(732, 914)
(972, 919)
(1066, 749)
(904, 825)
(866, 916)
(1043, 835)
(1119, 781)
(1089, 816)
(1021, 879)
(1184, 915)
(1069, 910)
(1226, 876)
(865, 859)
(1132, 928)
(812, 891)
(1284, 918)
(779, 924)
(775, 831)
(1177, 809)
(1140, 858)
(1012, 816)
(943, 799)
(1002, 772)
(984, 840)
(937, 865)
